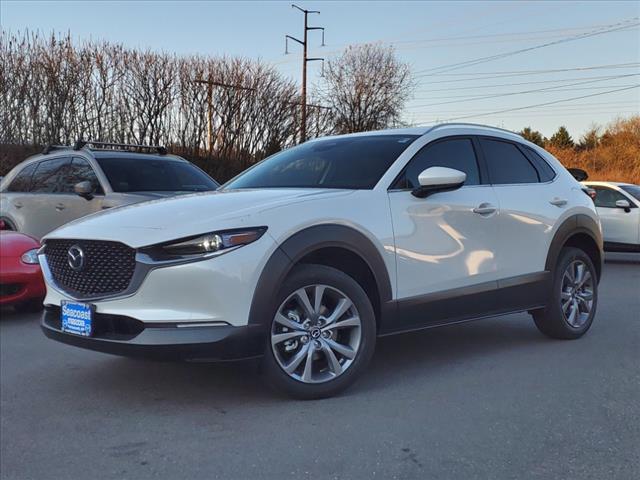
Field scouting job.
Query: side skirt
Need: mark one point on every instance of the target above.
(621, 247)
(489, 299)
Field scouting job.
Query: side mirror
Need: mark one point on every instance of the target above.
(624, 204)
(579, 174)
(438, 179)
(84, 189)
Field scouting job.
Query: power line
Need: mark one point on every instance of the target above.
(470, 76)
(558, 88)
(305, 60)
(511, 84)
(468, 63)
(542, 104)
(522, 92)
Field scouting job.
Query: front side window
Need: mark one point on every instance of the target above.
(344, 162)
(506, 163)
(49, 176)
(456, 153)
(633, 190)
(22, 181)
(150, 175)
(607, 198)
(79, 171)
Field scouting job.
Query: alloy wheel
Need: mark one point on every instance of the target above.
(576, 297)
(316, 333)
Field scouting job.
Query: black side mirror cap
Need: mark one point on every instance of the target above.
(579, 174)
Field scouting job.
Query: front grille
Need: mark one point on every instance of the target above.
(107, 270)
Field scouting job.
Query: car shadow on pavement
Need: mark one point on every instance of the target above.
(402, 358)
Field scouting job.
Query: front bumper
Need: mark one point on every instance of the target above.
(125, 336)
(23, 282)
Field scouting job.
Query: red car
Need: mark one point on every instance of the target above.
(21, 283)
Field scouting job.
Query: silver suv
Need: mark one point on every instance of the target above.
(65, 183)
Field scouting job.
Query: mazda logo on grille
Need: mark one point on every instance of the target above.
(75, 258)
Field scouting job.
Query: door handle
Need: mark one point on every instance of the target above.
(558, 202)
(60, 207)
(484, 209)
(17, 204)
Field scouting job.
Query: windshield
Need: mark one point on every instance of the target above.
(634, 190)
(347, 162)
(162, 175)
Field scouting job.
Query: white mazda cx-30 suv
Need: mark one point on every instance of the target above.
(308, 256)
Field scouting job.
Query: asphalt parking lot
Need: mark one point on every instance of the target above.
(490, 399)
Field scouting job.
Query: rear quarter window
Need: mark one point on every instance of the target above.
(544, 169)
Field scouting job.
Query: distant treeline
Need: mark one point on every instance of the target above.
(607, 153)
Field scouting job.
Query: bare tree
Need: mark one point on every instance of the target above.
(53, 90)
(366, 87)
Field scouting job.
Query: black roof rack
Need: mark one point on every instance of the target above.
(119, 146)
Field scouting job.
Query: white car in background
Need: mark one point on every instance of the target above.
(618, 205)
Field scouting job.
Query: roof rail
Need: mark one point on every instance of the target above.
(461, 124)
(48, 148)
(118, 146)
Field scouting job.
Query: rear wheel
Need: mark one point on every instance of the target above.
(322, 335)
(574, 298)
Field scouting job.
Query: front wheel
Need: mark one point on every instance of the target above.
(573, 301)
(322, 335)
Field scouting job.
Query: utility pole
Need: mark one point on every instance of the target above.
(305, 59)
(210, 84)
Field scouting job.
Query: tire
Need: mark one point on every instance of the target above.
(337, 339)
(560, 319)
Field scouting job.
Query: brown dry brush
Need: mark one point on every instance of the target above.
(612, 156)
(53, 90)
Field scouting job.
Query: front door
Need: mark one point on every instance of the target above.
(445, 243)
(619, 225)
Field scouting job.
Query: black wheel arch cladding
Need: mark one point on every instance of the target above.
(573, 226)
(307, 241)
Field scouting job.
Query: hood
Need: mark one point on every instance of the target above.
(181, 216)
(14, 244)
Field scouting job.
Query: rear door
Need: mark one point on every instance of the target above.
(531, 203)
(619, 225)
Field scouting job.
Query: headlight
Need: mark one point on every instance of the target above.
(30, 257)
(203, 245)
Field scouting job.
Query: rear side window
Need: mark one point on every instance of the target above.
(22, 181)
(457, 153)
(79, 171)
(606, 197)
(49, 176)
(544, 170)
(506, 163)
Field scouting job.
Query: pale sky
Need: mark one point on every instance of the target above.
(499, 51)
